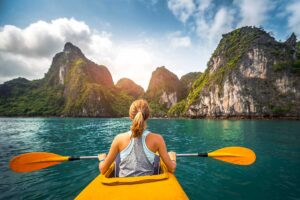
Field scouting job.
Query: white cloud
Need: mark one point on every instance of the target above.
(42, 39)
(293, 11)
(179, 41)
(253, 12)
(100, 47)
(208, 25)
(28, 52)
(133, 61)
(210, 31)
(16, 65)
(203, 5)
(182, 9)
(210, 20)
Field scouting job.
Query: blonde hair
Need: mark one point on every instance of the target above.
(139, 112)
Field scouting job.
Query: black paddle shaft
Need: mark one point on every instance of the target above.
(192, 154)
(72, 158)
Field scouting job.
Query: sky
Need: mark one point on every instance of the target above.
(131, 37)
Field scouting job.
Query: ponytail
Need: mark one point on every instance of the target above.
(139, 113)
(138, 125)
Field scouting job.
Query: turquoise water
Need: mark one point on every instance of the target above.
(274, 175)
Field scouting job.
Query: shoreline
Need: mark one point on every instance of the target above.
(297, 118)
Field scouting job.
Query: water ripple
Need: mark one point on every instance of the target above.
(275, 174)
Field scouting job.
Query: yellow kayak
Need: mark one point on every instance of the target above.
(162, 186)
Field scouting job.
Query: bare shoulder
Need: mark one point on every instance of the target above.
(120, 140)
(122, 136)
(155, 136)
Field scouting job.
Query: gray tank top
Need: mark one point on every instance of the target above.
(136, 162)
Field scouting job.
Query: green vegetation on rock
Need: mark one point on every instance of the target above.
(177, 110)
(231, 48)
(189, 78)
(130, 88)
(163, 83)
(121, 102)
(236, 49)
(157, 109)
(294, 66)
(278, 110)
(75, 86)
(30, 99)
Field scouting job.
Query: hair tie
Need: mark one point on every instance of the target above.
(143, 114)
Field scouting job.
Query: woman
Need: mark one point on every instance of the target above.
(135, 150)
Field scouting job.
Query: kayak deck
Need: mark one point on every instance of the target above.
(162, 186)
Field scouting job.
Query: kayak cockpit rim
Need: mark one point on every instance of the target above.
(109, 179)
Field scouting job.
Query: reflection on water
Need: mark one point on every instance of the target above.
(275, 174)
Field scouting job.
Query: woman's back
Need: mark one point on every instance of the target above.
(136, 159)
(134, 151)
(151, 140)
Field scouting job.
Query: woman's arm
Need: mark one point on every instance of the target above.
(110, 158)
(162, 149)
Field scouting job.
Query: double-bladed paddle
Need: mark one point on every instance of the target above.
(33, 161)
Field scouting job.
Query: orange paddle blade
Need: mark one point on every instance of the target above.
(35, 160)
(234, 155)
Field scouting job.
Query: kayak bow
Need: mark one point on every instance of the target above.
(158, 187)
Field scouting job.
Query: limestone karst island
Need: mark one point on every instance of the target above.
(249, 75)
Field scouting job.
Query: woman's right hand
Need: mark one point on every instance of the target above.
(102, 156)
(172, 155)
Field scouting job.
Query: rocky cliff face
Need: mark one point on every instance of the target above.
(73, 86)
(164, 90)
(189, 78)
(130, 87)
(70, 63)
(84, 83)
(249, 75)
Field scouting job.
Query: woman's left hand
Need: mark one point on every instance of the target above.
(172, 155)
(102, 156)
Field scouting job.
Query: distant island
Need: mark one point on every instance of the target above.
(249, 75)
